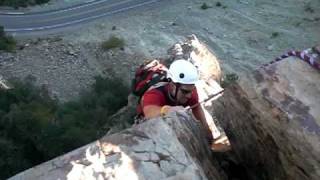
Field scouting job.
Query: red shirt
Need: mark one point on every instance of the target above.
(159, 97)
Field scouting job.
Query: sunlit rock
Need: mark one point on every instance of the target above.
(171, 147)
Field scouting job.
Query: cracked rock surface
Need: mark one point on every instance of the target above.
(162, 148)
(274, 127)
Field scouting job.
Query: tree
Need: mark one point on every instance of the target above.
(35, 128)
(7, 43)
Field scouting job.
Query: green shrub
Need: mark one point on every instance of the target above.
(7, 43)
(308, 8)
(274, 34)
(113, 42)
(24, 112)
(35, 128)
(2, 33)
(229, 79)
(205, 6)
(12, 160)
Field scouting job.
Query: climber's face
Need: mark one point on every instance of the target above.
(184, 93)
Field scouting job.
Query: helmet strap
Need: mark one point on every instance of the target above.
(173, 97)
(176, 92)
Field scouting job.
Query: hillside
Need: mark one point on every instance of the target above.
(242, 34)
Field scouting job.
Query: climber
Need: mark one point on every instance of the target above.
(175, 95)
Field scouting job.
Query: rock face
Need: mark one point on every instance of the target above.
(163, 148)
(274, 127)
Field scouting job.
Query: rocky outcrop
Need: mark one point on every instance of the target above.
(3, 83)
(274, 126)
(198, 53)
(165, 148)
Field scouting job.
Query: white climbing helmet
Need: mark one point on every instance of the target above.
(184, 72)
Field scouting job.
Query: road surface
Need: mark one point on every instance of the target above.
(16, 22)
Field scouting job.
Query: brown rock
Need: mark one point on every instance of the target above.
(275, 129)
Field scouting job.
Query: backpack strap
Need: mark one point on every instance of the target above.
(155, 81)
(157, 85)
(169, 99)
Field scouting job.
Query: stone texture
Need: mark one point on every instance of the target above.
(165, 148)
(3, 83)
(274, 126)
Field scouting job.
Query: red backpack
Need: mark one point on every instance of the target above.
(147, 75)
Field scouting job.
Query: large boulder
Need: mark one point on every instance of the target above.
(274, 125)
(171, 147)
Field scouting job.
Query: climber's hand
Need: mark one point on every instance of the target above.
(168, 109)
(180, 110)
(176, 108)
(221, 144)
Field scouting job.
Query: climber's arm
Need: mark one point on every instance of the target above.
(199, 115)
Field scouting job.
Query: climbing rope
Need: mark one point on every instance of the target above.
(311, 56)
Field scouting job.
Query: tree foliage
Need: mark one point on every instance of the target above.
(113, 42)
(205, 6)
(35, 128)
(229, 79)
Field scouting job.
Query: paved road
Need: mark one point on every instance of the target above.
(15, 23)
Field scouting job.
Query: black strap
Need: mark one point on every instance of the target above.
(177, 89)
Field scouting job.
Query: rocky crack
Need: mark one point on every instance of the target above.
(160, 156)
